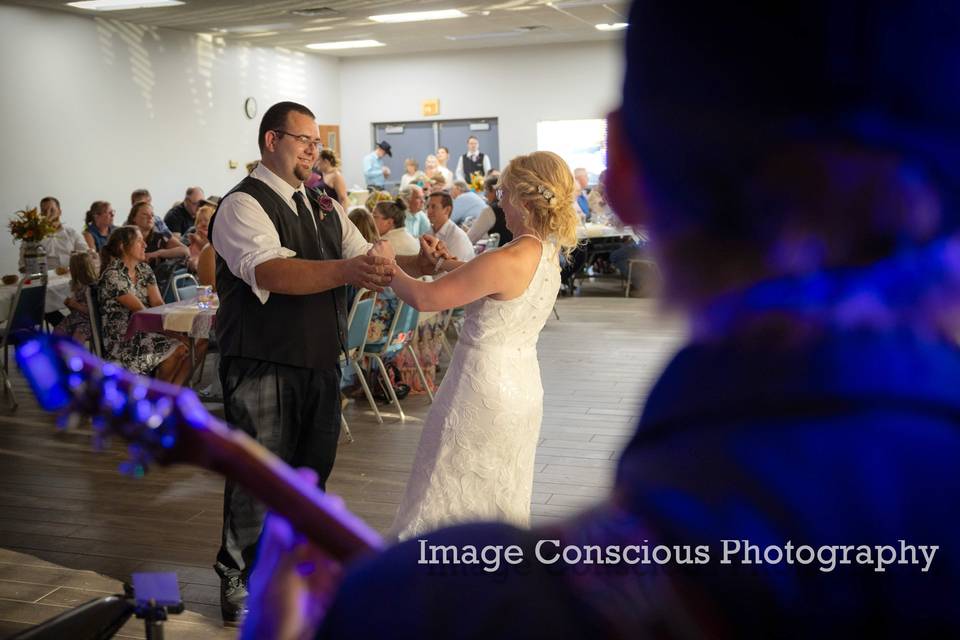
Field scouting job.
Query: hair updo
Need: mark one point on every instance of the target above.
(395, 210)
(330, 156)
(540, 184)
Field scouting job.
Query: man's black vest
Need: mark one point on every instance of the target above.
(299, 331)
(470, 167)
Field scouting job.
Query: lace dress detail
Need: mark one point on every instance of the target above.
(476, 452)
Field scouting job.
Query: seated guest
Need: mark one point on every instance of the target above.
(582, 178)
(180, 218)
(411, 169)
(492, 219)
(127, 285)
(467, 205)
(363, 220)
(64, 241)
(439, 207)
(142, 195)
(417, 222)
(431, 167)
(83, 273)
(99, 225)
(389, 218)
(165, 253)
(436, 184)
(198, 238)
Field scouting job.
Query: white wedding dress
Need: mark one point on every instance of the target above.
(475, 458)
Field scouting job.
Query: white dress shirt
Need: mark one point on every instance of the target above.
(482, 225)
(456, 240)
(402, 242)
(245, 237)
(59, 247)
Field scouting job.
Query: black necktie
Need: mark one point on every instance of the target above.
(308, 225)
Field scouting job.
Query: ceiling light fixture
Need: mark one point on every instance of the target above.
(418, 16)
(345, 44)
(120, 5)
(616, 26)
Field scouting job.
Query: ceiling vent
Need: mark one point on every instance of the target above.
(316, 12)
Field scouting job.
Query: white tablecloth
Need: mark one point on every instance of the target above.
(58, 290)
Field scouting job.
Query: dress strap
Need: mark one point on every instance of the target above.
(526, 235)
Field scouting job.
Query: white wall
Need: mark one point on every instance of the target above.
(518, 85)
(92, 109)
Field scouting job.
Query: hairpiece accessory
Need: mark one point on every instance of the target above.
(547, 194)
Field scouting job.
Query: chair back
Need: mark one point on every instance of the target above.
(402, 328)
(26, 313)
(185, 286)
(358, 321)
(96, 322)
(168, 289)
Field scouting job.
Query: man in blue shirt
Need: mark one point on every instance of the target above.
(466, 203)
(374, 171)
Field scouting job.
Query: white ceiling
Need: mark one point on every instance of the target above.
(497, 24)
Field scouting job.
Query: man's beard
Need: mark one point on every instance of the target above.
(301, 173)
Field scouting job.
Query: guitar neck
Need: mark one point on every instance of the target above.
(322, 519)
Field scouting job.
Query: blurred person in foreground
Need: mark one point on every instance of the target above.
(798, 166)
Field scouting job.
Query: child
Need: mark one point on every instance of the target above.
(82, 275)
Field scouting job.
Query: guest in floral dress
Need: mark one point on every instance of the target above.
(127, 284)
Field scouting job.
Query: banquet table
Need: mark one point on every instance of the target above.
(186, 317)
(58, 290)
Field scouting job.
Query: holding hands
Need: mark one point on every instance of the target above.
(369, 271)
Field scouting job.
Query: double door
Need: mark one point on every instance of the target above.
(421, 138)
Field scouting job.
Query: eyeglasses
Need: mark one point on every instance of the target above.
(305, 141)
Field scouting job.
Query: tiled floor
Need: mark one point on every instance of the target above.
(73, 528)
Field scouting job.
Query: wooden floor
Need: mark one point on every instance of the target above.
(72, 528)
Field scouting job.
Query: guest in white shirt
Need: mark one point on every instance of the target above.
(412, 168)
(390, 218)
(64, 242)
(439, 208)
(443, 154)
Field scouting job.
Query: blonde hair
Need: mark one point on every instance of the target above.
(540, 184)
(205, 211)
(82, 271)
(363, 219)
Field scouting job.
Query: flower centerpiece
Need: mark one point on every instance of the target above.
(476, 182)
(30, 227)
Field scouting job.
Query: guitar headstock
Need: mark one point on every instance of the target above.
(158, 419)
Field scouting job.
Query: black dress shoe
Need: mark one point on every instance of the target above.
(233, 598)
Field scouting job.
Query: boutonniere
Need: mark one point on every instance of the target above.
(326, 205)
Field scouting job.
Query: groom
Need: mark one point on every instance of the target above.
(817, 145)
(283, 260)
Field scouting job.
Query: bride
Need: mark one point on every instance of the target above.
(476, 452)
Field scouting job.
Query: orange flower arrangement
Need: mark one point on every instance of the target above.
(30, 226)
(476, 182)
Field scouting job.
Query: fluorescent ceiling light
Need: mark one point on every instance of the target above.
(417, 16)
(484, 36)
(616, 26)
(118, 5)
(346, 44)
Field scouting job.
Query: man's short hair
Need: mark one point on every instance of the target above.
(276, 118)
(460, 184)
(191, 191)
(50, 199)
(579, 170)
(445, 198)
(138, 195)
(472, 138)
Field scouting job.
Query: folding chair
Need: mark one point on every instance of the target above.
(184, 286)
(358, 321)
(25, 317)
(399, 337)
(96, 321)
(456, 312)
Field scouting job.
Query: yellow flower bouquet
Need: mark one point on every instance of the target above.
(30, 226)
